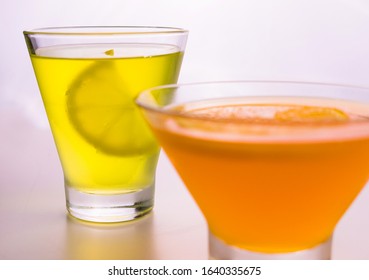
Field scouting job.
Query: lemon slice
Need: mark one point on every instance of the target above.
(311, 114)
(101, 108)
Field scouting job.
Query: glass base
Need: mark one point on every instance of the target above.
(109, 208)
(218, 249)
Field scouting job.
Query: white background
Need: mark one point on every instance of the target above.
(305, 40)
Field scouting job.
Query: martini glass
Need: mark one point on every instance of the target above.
(273, 166)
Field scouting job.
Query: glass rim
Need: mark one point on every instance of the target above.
(172, 113)
(105, 30)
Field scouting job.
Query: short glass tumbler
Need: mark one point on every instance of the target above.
(273, 166)
(88, 78)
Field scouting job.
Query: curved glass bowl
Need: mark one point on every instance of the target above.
(273, 166)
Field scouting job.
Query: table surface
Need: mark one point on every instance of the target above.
(34, 223)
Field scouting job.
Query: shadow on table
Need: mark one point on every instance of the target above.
(129, 240)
